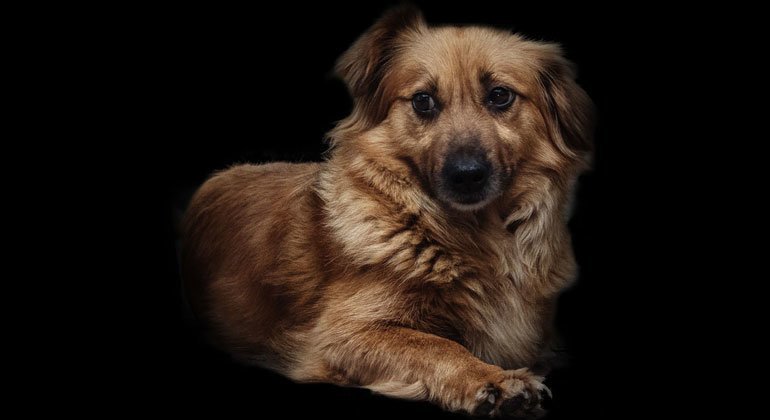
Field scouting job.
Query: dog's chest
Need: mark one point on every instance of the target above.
(500, 327)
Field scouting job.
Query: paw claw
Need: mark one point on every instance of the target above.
(511, 394)
(531, 401)
(488, 396)
(544, 390)
(546, 397)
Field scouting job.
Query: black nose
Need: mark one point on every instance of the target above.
(466, 173)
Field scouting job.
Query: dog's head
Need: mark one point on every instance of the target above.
(463, 107)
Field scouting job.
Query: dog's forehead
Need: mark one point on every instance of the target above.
(449, 55)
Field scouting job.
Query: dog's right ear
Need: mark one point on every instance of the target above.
(364, 66)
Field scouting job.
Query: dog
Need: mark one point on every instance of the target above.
(423, 258)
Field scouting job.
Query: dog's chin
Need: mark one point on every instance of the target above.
(469, 203)
(469, 207)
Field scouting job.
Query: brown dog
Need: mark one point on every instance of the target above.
(422, 260)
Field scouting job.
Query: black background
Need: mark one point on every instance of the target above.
(221, 86)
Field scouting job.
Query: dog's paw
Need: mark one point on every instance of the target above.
(487, 400)
(516, 394)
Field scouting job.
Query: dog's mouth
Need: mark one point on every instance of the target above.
(468, 182)
(468, 201)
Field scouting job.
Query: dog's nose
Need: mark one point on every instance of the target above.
(466, 174)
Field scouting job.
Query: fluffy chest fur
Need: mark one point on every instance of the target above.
(469, 277)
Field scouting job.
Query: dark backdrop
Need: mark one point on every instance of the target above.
(221, 86)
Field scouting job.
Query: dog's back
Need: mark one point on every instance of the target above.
(266, 210)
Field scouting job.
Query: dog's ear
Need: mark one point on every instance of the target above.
(365, 64)
(569, 111)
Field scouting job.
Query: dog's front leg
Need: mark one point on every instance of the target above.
(407, 363)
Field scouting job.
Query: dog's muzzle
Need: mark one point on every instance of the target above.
(465, 177)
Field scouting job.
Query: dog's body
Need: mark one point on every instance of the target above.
(423, 259)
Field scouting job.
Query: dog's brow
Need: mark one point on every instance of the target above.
(486, 77)
(489, 79)
(429, 84)
(432, 84)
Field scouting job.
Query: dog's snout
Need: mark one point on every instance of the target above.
(466, 173)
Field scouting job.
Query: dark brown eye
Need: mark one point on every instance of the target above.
(423, 103)
(500, 97)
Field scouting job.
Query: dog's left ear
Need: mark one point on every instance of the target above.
(365, 65)
(570, 113)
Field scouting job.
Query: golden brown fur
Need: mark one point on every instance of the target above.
(360, 271)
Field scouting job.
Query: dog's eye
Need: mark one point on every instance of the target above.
(423, 103)
(501, 97)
